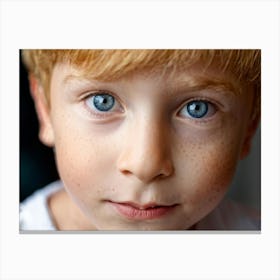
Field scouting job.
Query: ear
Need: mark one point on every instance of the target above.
(250, 132)
(46, 133)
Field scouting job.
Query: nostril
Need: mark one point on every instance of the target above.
(159, 177)
(149, 174)
(126, 172)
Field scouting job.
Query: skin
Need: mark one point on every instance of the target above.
(144, 150)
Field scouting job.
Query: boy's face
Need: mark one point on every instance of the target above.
(147, 152)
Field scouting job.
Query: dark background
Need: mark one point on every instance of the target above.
(37, 165)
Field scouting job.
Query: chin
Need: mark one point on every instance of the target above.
(142, 227)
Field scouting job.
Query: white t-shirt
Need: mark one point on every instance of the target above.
(228, 215)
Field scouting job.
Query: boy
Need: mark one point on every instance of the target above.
(143, 139)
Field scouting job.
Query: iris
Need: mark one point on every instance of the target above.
(197, 109)
(103, 102)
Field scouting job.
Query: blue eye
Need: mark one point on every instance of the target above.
(103, 102)
(197, 109)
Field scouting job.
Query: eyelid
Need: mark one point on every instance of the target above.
(201, 98)
(96, 92)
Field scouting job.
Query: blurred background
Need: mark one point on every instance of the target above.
(37, 165)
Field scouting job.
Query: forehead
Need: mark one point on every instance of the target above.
(193, 76)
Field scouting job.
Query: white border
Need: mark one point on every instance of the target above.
(115, 24)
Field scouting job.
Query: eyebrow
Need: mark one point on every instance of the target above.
(190, 84)
(71, 78)
(73, 81)
(198, 84)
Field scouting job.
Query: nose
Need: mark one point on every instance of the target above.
(146, 153)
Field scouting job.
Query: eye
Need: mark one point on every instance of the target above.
(197, 109)
(101, 102)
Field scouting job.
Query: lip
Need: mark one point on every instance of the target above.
(135, 211)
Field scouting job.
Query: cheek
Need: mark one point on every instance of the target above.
(206, 169)
(84, 161)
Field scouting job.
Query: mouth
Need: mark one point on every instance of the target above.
(149, 211)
